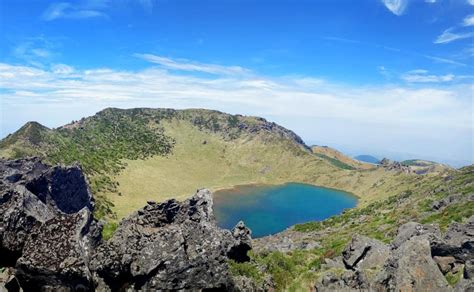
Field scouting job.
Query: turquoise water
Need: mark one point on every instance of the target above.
(271, 209)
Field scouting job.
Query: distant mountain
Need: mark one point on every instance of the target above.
(367, 158)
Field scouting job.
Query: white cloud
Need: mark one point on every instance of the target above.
(469, 20)
(449, 36)
(83, 9)
(430, 1)
(187, 65)
(62, 69)
(422, 76)
(34, 51)
(248, 94)
(444, 60)
(434, 58)
(397, 7)
(68, 10)
(470, 2)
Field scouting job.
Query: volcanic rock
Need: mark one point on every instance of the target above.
(49, 239)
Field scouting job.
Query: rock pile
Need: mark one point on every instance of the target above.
(418, 259)
(49, 239)
(390, 165)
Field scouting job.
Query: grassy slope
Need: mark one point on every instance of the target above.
(300, 269)
(220, 164)
(339, 157)
(216, 164)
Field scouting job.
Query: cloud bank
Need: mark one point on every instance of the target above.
(286, 95)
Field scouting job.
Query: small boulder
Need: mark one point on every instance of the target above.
(412, 269)
(445, 264)
(458, 233)
(411, 229)
(365, 253)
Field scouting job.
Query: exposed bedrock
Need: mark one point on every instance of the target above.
(417, 260)
(49, 239)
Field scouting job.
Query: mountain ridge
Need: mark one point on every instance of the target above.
(178, 151)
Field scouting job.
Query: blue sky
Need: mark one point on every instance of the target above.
(391, 77)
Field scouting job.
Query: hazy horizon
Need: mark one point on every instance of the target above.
(388, 78)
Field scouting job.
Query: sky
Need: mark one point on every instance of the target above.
(383, 77)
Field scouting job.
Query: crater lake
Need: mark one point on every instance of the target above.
(270, 209)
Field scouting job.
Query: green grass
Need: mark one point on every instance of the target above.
(109, 229)
(335, 162)
(452, 213)
(247, 269)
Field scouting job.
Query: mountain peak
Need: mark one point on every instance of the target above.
(31, 132)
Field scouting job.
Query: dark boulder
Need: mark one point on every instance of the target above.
(457, 242)
(171, 246)
(36, 195)
(50, 241)
(56, 254)
(365, 253)
(412, 269)
(411, 229)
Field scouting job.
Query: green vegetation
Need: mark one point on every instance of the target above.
(247, 269)
(131, 156)
(453, 213)
(454, 278)
(417, 162)
(109, 229)
(99, 144)
(335, 162)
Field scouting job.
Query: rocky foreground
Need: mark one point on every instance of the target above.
(416, 260)
(50, 240)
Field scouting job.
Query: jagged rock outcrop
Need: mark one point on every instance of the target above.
(171, 246)
(417, 260)
(47, 231)
(49, 239)
(390, 165)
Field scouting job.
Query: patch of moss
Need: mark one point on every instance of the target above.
(454, 278)
(109, 229)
